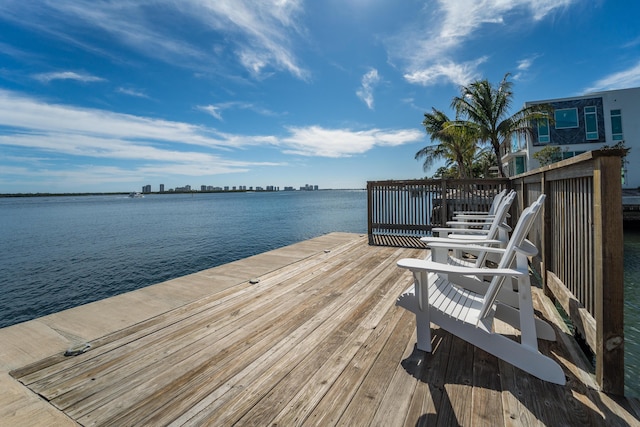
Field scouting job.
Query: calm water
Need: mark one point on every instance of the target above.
(61, 252)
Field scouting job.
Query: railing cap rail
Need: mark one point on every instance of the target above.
(438, 180)
(580, 158)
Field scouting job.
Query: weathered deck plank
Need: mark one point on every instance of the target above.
(317, 341)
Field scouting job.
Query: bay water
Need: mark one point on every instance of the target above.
(64, 251)
(61, 252)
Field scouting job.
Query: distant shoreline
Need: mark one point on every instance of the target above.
(125, 193)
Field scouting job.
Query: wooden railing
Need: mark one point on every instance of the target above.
(412, 208)
(579, 237)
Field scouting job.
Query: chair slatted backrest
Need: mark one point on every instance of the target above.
(496, 202)
(518, 240)
(501, 215)
(498, 223)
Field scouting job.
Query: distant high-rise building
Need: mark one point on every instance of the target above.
(162, 188)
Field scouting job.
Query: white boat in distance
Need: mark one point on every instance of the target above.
(135, 195)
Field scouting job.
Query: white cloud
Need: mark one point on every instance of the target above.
(132, 92)
(523, 66)
(620, 80)
(260, 34)
(33, 116)
(428, 52)
(44, 130)
(212, 110)
(67, 75)
(369, 81)
(216, 110)
(318, 141)
(458, 74)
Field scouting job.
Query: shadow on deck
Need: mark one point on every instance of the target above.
(318, 341)
(396, 241)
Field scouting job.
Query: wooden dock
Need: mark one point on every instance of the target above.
(308, 334)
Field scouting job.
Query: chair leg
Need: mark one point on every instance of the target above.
(409, 301)
(423, 329)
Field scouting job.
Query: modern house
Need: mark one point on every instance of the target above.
(580, 124)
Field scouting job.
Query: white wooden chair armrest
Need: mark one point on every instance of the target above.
(474, 216)
(475, 223)
(465, 237)
(440, 250)
(417, 265)
(475, 238)
(527, 248)
(462, 240)
(470, 212)
(459, 230)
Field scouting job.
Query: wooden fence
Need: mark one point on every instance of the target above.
(579, 237)
(403, 211)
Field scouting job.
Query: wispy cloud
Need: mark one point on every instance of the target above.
(369, 82)
(67, 75)
(429, 51)
(212, 110)
(265, 27)
(132, 92)
(319, 141)
(260, 35)
(32, 117)
(9, 50)
(523, 67)
(620, 80)
(217, 109)
(457, 73)
(111, 147)
(44, 131)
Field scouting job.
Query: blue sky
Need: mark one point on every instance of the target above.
(113, 95)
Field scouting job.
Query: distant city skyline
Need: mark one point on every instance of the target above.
(108, 97)
(210, 188)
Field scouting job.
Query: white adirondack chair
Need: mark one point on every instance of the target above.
(494, 205)
(438, 296)
(440, 252)
(496, 235)
(474, 225)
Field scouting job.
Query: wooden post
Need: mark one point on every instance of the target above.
(546, 236)
(370, 211)
(444, 214)
(609, 274)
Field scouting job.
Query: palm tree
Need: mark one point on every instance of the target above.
(482, 163)
(486, 109)
(456, 144)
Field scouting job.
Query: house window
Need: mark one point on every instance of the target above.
(566, 118)
(518, 142)
(520, 165)
(543, 130)
(591, 122)
(616, 125)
